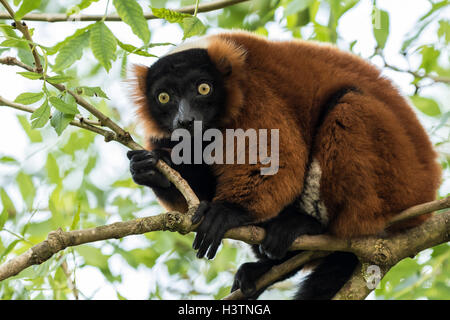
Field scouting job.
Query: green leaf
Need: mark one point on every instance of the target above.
(92, 92)
(3, 218)
(136, 257)
(15, 43)
(123, 66)
(345, 6)
(52, 169)
(59, 79)
(132, 49)
(119, 296)
(94, 257)
(26, 188)
(76, 34)
(444, 30)
(322, 33)
(41, 116)
(192, 26)
(132, 14)
(3, 25)
(60, 121)
(29, 97)
(430, 56)
(63, 106)
(222, 293)
(177, 266)
(103, 44)
(33, 135)
(6, 159)
(426, 105)
(90, 165)
(296, 6)
(423, 22)
(30, 75)
(8, 205)
(82, 5)
(27, 6)
(170, 15)
(127, 183)
(71, 49)
(23, 49)
(380, 22)
(303, 18)
(9, 248)
(76, 218)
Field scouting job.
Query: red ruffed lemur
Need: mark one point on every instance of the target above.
(352, 153)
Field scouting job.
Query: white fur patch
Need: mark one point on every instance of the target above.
(310, 201)
(199, 43)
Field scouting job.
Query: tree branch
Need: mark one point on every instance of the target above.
(59, 240)
(175, 221)
(61, 17)
(384, 253)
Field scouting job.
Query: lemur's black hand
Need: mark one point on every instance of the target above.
(284, 229)
(218, 218)
(143, 170)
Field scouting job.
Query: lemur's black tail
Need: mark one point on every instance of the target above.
(327, 277)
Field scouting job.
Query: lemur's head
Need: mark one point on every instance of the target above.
(196, 81)
(185, 87)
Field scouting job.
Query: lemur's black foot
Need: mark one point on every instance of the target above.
(218, 218)
(284, 229)
(143, 170)
(246, 277)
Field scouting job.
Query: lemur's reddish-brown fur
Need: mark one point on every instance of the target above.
(375, 157)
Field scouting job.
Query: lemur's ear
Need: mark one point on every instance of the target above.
(138, 84)
(139, 80)
(224, 65)
(228, 57)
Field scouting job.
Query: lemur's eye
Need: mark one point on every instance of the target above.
(163, 97)
(204, 89)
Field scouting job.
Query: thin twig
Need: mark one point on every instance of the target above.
(120, 136)
(416, 74)
(71, 283)
(420, 209)
(81, 124)
(278, 271)
(23, 28)
(61, 17)
(11, 61)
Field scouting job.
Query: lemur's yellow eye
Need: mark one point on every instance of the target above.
(204, 89)
(163, 97)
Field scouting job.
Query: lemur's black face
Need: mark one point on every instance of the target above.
(185, 87)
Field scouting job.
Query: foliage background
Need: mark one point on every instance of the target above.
(52, 176)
